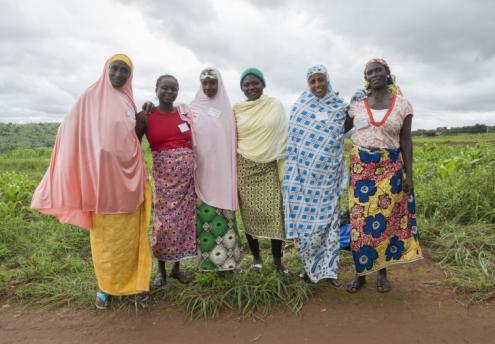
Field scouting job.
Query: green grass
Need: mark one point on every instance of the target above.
(49, 264)
(467, 255)
(46, 263)
(456, 139)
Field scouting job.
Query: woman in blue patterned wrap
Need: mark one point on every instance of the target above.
(314, 176)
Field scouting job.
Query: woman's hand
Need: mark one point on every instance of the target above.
(141, 123)
(148, 107)
(407, 186)
(141, 118)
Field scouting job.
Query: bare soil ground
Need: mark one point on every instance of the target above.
(415, 311)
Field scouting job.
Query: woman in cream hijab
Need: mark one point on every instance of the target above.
(261, 142)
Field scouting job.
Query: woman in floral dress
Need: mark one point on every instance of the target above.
(381, 198)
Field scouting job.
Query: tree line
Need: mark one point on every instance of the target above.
(444, 131)
(34, 135)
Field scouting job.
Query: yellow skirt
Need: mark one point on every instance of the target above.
(121, 251)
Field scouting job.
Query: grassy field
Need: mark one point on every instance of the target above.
(463, 138)
(44, 262)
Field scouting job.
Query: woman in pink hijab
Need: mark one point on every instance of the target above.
(215, 176)
(97, 180)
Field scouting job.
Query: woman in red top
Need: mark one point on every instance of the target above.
(174, 226)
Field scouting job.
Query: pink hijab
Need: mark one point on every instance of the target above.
(97, 164)
(214, 138)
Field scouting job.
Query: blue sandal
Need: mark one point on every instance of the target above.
(102, 300)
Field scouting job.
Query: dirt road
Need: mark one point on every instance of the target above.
(415, 311)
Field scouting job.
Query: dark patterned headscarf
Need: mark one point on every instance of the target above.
(391, 81)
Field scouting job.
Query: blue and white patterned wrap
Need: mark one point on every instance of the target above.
(314, 177)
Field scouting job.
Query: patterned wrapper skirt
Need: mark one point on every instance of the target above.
(383, 218)
(120, 249)
(319, 252)
(260, 198)
(218, 240)
(174, 222)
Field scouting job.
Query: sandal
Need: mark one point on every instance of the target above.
(256, 267)
(382, 284)
(356, 284)
(304, 276)
(142, 297)
(181, 276)
(282, 269)
(335, 283)
(102, 300)
(159, 281)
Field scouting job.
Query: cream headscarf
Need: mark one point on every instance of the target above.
(261, 129)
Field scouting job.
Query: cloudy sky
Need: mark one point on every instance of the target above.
(442, 51)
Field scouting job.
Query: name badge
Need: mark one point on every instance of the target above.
(321, 116)
(130, 113)
(214, 112)
(183, 127)
(361, 123)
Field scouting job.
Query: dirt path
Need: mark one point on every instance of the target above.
(414, 312)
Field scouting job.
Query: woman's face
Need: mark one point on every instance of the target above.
(167, 90)
(318, 85)
(210, 87)
(376, 74)
(252, 87)
(118, 73)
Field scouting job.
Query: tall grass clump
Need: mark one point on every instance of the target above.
(455, 189)
(247, 292)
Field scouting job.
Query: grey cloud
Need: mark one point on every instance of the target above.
(442, 51)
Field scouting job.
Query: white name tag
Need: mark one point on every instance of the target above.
(214, 112)
(130, 113)
(321, 116)
(183, 127)
(361, 123)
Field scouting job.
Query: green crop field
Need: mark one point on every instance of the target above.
(44, 262)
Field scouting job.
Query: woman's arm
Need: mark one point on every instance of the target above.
(141, 123)
(406, 147)
(148, 107)
(349, 123)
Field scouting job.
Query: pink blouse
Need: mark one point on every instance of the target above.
(379, 134)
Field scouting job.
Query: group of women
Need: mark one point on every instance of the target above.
(285, 175)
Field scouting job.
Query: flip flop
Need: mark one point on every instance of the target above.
(159, 281)
(355, 285)
(383, 285)
(181, 276)
(304, 276)
(282, 269)
(142, 298)
(335, 283)
(102, 300)
(256, 267)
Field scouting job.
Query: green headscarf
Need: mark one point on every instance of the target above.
(253, 71)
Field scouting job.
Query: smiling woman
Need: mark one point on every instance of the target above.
(118, 73)
(215, 174)
(261, 143)
(97, 180)
(314, 175)
(168, 131)
(381, 196)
